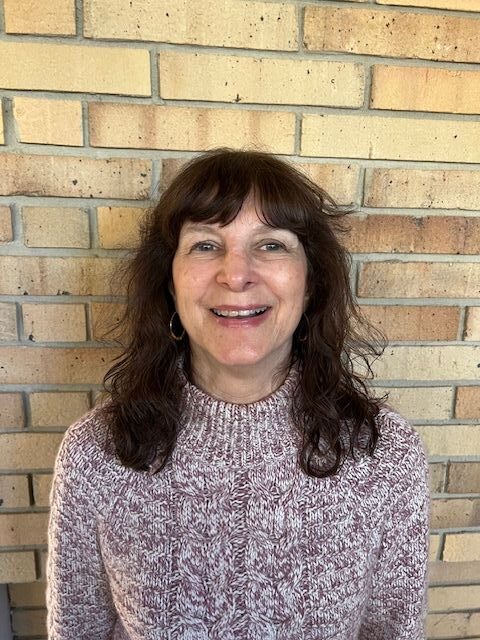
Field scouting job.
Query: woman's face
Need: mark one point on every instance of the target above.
(240, 291)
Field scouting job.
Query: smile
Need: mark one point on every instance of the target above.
(239, 313)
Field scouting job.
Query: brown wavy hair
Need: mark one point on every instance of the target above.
(332, 407)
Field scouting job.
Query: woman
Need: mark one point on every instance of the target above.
(240, 482)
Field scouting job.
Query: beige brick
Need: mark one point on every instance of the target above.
(56, 227)
(453, 625)
(243, 24)
(42, 275)
(40, 17)
(17, 566)
(29, 450)
(420, 403)
(11, 411)
(410, 188)
(76, 177)
(434, 545)
(390, 138)
(78, 68)
(8, 321)
(436, 476)
(472, 331)
(48, 121)
(454, 5)
(54, 322)
(119, 227)
(414, 322)
(425, 89)
(29, 622)
(6, 230)
(454, 572)
(197, 76)
(57, 409)
(451, 440)
(2, 138)
(138, 126)
(55, 365)
(104, 316)
(41, 489)
(23, 529)
(408, 234)
(464, 477)
(14, 492)
(428, 363)
(391, 33)
(455, 513)
(419, 280)
(467, 405)
(462, 547)
(27, 594)
(338, 180)
(170, 168)
(453, 598)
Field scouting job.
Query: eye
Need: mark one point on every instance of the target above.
(203, 247)
(272, 245)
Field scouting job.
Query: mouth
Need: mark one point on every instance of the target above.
(239, 313)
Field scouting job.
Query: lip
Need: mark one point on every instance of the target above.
(238, 321)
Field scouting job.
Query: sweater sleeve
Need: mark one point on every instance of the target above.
(78, 596)
(397, 606)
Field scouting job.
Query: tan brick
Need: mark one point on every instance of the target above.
(11, 411)
(455, 513)
(464, 477)
(434, 545)
(78, 68)
(408, 234)
(48, 121)
(425, 89)
(410, 188)
(14, 492)
(17, 566)
(454, 5)
(391, 33)
(76, 177)
(453, 598)
(462, 547)
(2, 138)
(40, 17)
(390, 138)
(472, 331)
(420, 403)
(244, 24)
(27, 594)
(29, 622)
(451, 440)
(54, 322)
(428, 363)
(338, 180)
(42, 275)
(6, 230)
(454, 572)
(55, 365)
(8, 321)
(41, 489)
(453, 625)
(436, 476)
(119, 227)
(29, 450)
(56, 227)
(414, 322)
(419, 280)
(23, 528)
(104, 316)
(138, 126)
(57, 409)
(467, 405)
(197, 76)
(170, 168)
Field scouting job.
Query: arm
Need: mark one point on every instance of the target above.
(397, 606)
(78, 596)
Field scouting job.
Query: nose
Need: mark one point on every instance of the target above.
(236, 271)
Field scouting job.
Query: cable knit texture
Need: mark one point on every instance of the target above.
(232, 540)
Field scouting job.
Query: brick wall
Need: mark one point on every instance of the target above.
(103, 99)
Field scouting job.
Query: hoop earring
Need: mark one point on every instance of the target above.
(304, 337)
(172, 333)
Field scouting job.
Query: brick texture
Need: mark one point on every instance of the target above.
(453, 598)
(462, 547)
(119, 227)
(56, 227)
(458, 5)
(32, 622)
(233, 79)
(8, 322)
(17, 529)
(29, 450)
(14, 492)
(451, 625)
(464, 477)
(135, 126)
(6, 231)
(451, 440)
(453, 572)
(420, 403)
(17, 566)
(27, 594)
(41, 489)
(436, 477)
(57, 409)
(391, 33)
(428, 363)
(54, 322)
(40, 17)
(468, 403)
(257, 25)
(414, 322)
(461, 512)
(11, 411)
(472, 331)
(48, 121)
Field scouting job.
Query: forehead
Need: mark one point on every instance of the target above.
(249, 218)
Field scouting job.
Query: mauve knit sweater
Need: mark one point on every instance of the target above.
(232, 540)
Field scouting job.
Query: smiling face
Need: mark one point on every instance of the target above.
(240, 291)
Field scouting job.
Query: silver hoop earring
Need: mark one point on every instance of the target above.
(304, 337)
(172, 333)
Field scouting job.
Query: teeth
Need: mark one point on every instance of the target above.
(242, 313)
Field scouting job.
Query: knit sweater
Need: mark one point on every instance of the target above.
(231, 540)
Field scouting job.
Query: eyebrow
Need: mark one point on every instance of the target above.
(214, 228)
